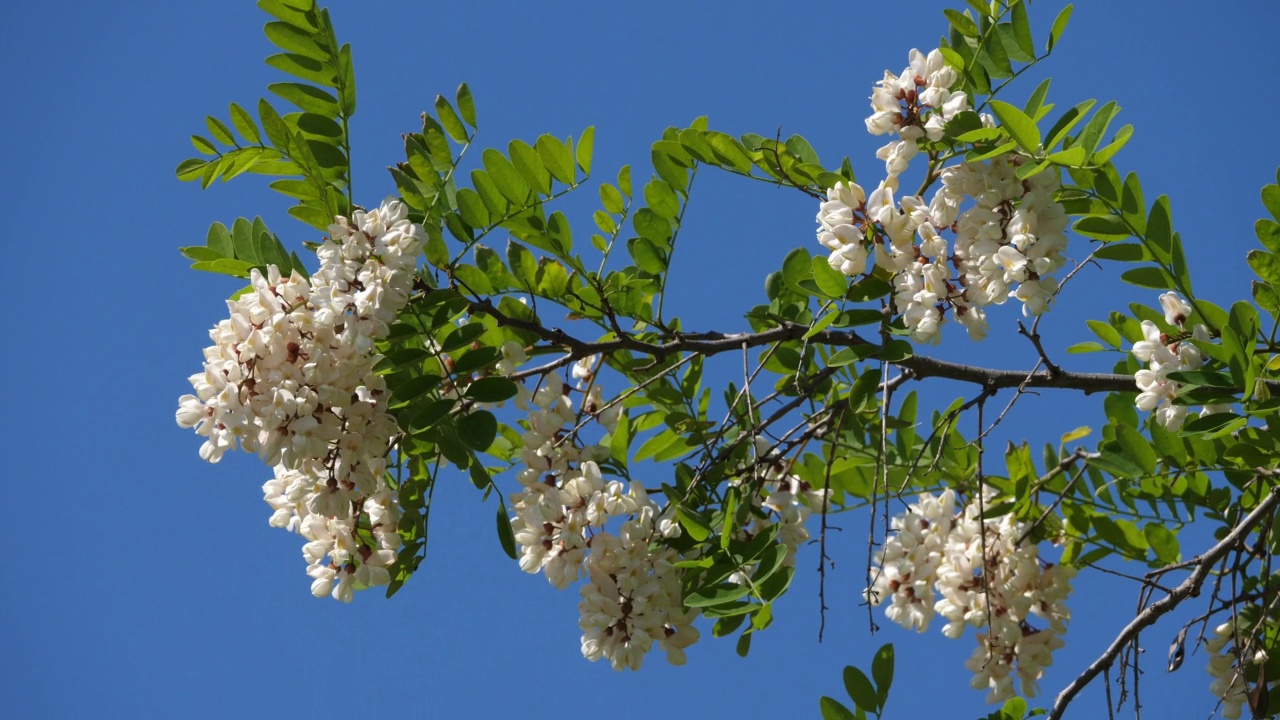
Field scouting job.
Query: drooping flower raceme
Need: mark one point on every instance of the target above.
(565, 519)
(1228, 667)
(1009, 232)
(290, 377)
(1009, 239)
(974, 573)
(913, 105)
(1164, 355)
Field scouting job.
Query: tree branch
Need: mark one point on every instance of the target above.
(714, 343)
(1189, 588)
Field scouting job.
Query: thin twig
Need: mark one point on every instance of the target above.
(1189, 588)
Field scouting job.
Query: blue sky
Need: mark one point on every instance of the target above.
(147, 583)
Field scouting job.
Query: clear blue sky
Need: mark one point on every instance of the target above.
(144, 583)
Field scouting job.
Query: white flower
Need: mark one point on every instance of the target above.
(1164, 357)
(290, 376)
(972, 572)
(1176, 310)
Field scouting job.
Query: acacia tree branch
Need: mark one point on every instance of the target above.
(714, 343)
(1189, 588)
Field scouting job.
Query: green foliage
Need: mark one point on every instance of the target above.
(308, 149)
(868, 694)
(829, 352)
(247, 245)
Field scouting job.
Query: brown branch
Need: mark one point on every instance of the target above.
(1189, 588)
(714, 343)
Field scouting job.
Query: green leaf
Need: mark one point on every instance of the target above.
(1085, 347)
(466, 105)
(225, 266)
(1123, 252)
(1265, 295)
(662, 199)
(530, 166)
(1021, 128)
(1036, 102)
(1080, 432)
(491, 389)
(586, 148)
(1059, 25)
(203, 146)
(1163, 542)
(449, 120)
(242, 238)
(1071, 157)
(1092, 133)
(692, 523)
(882, 668)
(860, 690)
(303, 67)
(522, 263)
(1214, 425)
(219, 131)
(1022, 29)
(729, 151)
(1015, 708)
(505, 177)
(347, 81)
(1115, 464)
(1117, 143)
(292, 39)
(557, 158)
(1268, 232)
(411, 390)
(718, 594)
(647, 255)
(478, 429)
(833, 710)
(1106, 332)
(1136, 448)
(961, 22)
(830, 281)
(308, 98)
(612, 199)
(472, 208)
(219, 240)
(505, 534)
(796, 268)
(1160, 228)
(1265, 264)
(1149, 277)
(1102, 227)
(1068, 120)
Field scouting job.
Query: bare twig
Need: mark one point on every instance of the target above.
(1189, 588)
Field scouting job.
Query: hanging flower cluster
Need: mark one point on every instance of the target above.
(915, 104)
(1165, 355)
(1008, 240)
(290, 377)
(975, 573)
(1228, 664)
(632, 597)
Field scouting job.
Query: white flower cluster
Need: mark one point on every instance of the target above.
(1008, 240)
(914, 105)
(1227, 670)
(1164, 355)
(1013, 235)
(1007, 243)
(632, 597)
(974, 573)
(290, 377)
